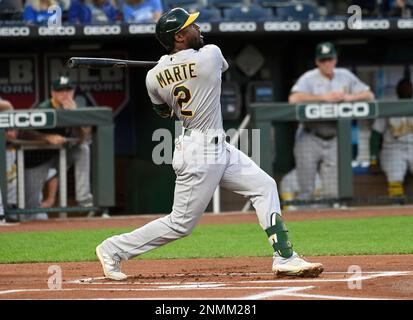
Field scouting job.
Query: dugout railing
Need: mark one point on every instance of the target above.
(102, 154)
(265, 115)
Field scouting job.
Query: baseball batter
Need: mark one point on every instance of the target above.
(316, 142)
(187, 82)
(396, 156)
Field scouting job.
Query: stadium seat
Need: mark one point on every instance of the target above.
(209, 15)
(244, 13)
(11, 10)
(225, 3)
(186, 4)
(298, 11)
(259, 91)
(231, 100)
(272, 3)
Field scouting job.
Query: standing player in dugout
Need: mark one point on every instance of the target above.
(187, 82)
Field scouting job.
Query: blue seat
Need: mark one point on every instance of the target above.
(231, 100)
(298, 11)
(254, 13)
(11, 10)
(169, 4)
(225, 3)
(272, 3)
(259, 91)
(209, 15)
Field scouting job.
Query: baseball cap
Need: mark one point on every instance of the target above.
(62, 83)
(325, 50)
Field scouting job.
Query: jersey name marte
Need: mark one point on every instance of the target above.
(177, 73)
(189, 82)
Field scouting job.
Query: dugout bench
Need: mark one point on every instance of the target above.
(102, 157)
(265, 114)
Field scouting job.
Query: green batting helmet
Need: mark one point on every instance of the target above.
(170, 23)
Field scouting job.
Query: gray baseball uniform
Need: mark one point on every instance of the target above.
(190, 83)
(11, 179)
(316, 142)
(397, 151)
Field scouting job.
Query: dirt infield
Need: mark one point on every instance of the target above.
(371, 277)
(345, 277)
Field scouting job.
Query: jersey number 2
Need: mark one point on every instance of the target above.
(184, 96)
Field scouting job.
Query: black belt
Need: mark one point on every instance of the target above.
(318, 135)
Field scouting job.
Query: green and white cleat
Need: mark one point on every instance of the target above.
(111, 267)
(296, 267)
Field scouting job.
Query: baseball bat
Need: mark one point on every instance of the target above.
(96, 63)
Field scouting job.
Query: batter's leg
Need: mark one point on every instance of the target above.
(244, 177)
(194, 187)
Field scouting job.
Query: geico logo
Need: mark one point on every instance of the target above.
(15, 32)
(375, 24)
(405, 24)
(105, 30)
(326, 25)
(142, 28)
(282, 26)
(23, 120)
(336, 110)
(59, 31)
(237, 26)
(205, 27)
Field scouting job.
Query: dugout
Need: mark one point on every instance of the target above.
(273, 52)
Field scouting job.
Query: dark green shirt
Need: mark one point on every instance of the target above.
(34, 158)
(66, 132)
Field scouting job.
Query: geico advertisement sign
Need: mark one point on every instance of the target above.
(14, 31)
(34, 119)
(237, 27)
(57, 31)
(336, 110)
(102, 30)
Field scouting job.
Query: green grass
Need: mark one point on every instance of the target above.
(381, 235)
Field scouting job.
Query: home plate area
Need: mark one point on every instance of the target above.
(345, 277)
(255, 286)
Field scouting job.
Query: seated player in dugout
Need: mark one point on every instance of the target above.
(39, 162)
(6, 106)
(395, 138)
(316, 141)
(192, 93)
(48, 195)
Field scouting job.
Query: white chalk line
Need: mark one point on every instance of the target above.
(273, 293)
(279, 292)
(320, 296)
(151, 289)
